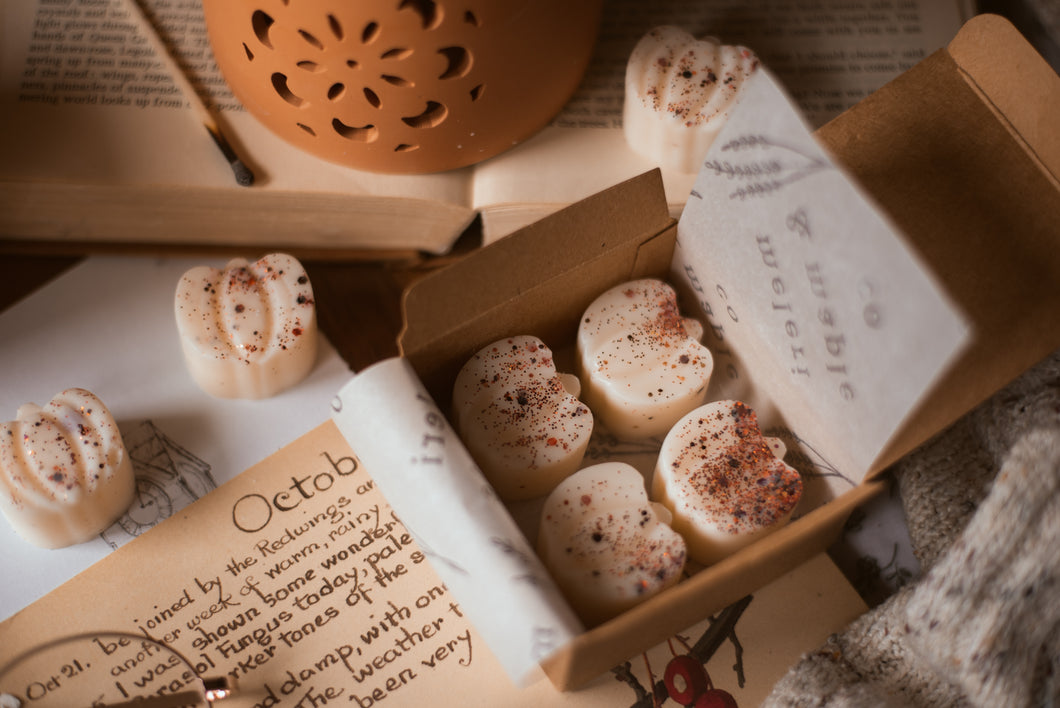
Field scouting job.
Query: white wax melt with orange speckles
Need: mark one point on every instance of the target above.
(725, 483)
(65, 475)
(640, 361)
(249, 330)
(679, 91)
(605, 544)
(521, 421)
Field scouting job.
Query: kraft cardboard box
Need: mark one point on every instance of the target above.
(960, 153)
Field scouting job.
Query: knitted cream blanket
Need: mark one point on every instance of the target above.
(981, 627)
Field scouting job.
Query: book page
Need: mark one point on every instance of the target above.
(297, 581)
(87, 98)
(828, 55)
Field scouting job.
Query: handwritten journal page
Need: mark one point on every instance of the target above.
(297, 581)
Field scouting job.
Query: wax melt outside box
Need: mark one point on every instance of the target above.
(961, 152)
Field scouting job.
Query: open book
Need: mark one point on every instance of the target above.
(99, 144)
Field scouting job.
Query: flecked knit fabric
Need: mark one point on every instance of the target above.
(987, 616)
(982, 625)
(941, 486)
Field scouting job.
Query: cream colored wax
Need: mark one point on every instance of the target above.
(521, 420)
(724, 482)
(679, 91)
(605, 544)
(65, 475)
(640, 362)
(248, 330)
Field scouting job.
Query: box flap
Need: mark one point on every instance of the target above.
(545, 273)
(976, 50)
(962, 152)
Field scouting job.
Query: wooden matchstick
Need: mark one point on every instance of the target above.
(243, 174)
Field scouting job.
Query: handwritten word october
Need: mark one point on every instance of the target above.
(253, 512)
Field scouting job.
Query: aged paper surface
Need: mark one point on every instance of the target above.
(297, 580)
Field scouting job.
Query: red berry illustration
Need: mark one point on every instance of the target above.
(685, 680)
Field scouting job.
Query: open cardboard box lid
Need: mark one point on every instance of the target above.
(960, 154)
(963, 153)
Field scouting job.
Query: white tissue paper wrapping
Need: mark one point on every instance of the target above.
(433, 485)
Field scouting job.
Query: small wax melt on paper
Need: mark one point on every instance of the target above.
(605, 544)
(64, 472)
(248, 330)
(679, 91)
(522, 421)
(640, 361)
(724, 482)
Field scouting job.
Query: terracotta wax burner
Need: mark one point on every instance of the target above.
(403, 86)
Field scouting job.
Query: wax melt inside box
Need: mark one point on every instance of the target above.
(959, 152)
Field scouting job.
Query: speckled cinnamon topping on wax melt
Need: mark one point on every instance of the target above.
(65, 475)
(249, 330)
(640, 361)
(723, 481)
(605, 544)
(521, 420)
(679, 91)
